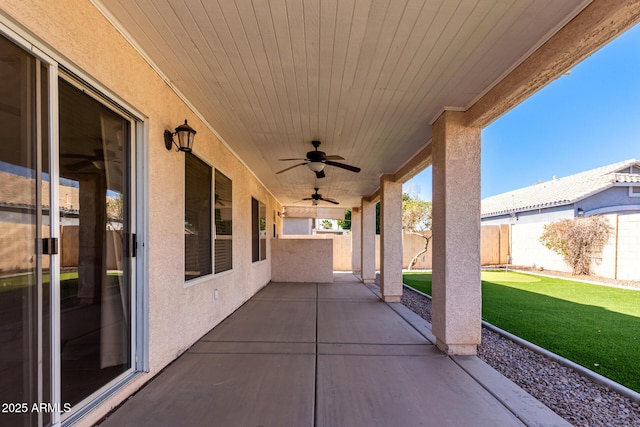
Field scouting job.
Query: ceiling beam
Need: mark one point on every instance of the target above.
(591, 29)
(415, 165)
(373, 197)
(595, 26)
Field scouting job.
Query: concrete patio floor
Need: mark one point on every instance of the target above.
(327, 354)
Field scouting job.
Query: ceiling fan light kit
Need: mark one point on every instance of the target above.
(316, 166)
(316, 160)
(317, 198)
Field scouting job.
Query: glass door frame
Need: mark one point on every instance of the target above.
(58, 68)
(137, 292)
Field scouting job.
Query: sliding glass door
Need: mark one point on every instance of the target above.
(67, 242)
(95, 236)
(25, 309)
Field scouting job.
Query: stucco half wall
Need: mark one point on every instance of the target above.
(302, 260)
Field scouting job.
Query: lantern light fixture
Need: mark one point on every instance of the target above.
(185, 133)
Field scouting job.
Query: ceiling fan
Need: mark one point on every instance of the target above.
(97, 161)
(317, 160)
(316, 198)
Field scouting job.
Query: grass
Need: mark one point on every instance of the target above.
(19, 281)
(595, 326)
(68, 282)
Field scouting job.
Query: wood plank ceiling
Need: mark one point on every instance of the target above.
(365, 77)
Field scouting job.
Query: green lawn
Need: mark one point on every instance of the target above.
(595, 326)
(68, 282)
(18, 281)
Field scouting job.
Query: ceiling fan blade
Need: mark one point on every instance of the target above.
(285, 160)
(294, 166)
(343, 166)
(334, 157)
(308, 198)
(77, 156)
(80, 165)
(331, 201)
(320, 174)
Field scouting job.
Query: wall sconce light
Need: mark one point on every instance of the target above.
(185, 134)
(580, 212)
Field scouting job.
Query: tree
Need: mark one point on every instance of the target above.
(578, 240)
(115, 212)
(416, 220)
(346, 223)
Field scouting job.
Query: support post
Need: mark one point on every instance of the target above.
(368, 245)
(356, 240)
(390, 239)
(457, 299)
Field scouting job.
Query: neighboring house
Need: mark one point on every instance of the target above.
(612, 191)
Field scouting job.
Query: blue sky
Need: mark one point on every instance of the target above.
(583, 120)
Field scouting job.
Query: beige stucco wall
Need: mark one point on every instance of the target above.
(495, 248)
(343, 249)
(620, 254)
(302, 260)
(529, 252)
(178, 314)
(619, 258)
(411, 245)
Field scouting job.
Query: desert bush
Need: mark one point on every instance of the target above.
(578, 240)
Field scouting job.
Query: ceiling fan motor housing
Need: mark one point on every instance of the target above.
(316, 156)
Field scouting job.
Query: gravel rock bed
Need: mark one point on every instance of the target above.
(575, 398)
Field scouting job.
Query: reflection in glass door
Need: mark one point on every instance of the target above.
(95, 236)
(65, 292)
(24, 222)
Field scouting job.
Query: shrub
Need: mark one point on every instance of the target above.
(578, 240)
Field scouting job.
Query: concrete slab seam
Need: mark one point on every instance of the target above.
(594, 376)
(264, 353)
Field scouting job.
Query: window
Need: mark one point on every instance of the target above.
(634, 191)
(258, 230)
(197, 218)
(223, 245)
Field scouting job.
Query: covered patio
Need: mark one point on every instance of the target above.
(327, 354)
(203, 331)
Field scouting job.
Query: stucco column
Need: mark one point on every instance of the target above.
(457, 299)
(390, 239)
(356, 240)
(368, 242)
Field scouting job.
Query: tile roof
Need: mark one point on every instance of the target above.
(560, 191)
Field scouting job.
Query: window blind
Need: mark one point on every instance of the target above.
(223, 247)
(197, 219)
